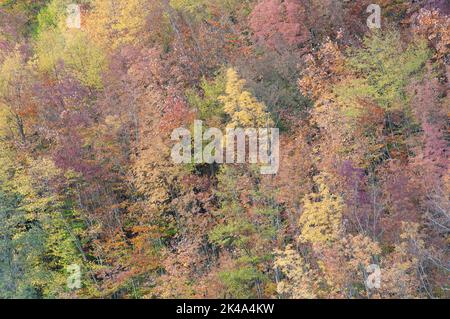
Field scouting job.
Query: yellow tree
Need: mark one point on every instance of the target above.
(301, 279)
(321, 219)
(113, 23)
(334, 266)
(241, 106)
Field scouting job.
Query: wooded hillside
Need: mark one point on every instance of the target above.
(87, 179)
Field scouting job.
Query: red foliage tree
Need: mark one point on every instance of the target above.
(278, 22)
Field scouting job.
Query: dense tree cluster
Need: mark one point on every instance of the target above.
(86, 176)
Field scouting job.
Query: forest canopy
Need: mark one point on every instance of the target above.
(89, 192)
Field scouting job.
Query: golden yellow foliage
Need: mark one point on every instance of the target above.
(321, 219)
(242, 107)
(299, 281)
(114, 22)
